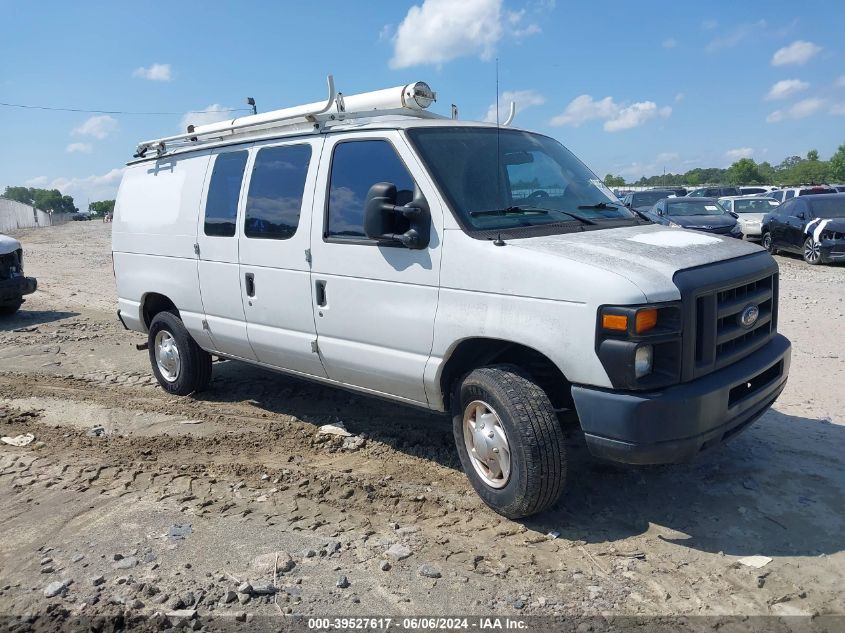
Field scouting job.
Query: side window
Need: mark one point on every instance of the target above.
(787, 208)
(221, 206)
(357, 166)
(274, 201)
(789, 194)
(799, 207)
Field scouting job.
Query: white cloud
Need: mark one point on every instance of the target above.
(786, 88)
(438, 31)
(679, 97)
(799, 52)
(99, 126)
(103, 187)
(156, 72)
(840, 82)
(800, 110)
(523, 98)
(739, 152)
(670, 43)
(82, 148)
(667, 157)
(616, 116)
(838, 109)
(735, 36)
(210, 114)
(709, 25)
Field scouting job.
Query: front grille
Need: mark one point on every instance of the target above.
(9, 265)
(714, 299)
(718, 230)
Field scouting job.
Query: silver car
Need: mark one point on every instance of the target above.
(749, 211)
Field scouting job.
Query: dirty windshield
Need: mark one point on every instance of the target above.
(514, 179)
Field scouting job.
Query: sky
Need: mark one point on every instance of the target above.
(630, 87)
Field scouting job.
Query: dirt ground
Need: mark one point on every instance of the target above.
(136, 502)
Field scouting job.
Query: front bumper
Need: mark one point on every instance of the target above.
(11, 290)
(833, 250)
(674, 424)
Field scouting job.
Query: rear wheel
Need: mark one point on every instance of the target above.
(766, 242)
(812, 251)
(180, 365)
(509, 440)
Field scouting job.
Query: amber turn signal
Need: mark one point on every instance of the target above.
(646, 320)
(617, 322)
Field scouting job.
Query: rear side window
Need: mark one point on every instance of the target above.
(357, 166)
(789, 194)
(221, 207)
(274, 201)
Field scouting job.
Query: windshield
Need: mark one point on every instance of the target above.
(695, 207)
(830, 208)
(755, 206)
(648, 198)
(535, 181)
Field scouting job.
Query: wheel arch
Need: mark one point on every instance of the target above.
(470, 353)
(152, 303)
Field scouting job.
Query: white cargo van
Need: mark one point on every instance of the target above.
(468, 268)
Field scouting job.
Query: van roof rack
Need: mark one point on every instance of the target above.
(410, 100)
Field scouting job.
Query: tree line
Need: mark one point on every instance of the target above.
(793, 170)
(53, 200)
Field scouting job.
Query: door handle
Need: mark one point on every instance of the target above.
(249, 279)
(320, 293)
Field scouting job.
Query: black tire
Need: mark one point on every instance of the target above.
(534, 434)
(766, 242)
(812, 252)
(10, 308)
(194, 371)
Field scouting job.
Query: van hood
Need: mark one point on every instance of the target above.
(8, 245)
(648, 256)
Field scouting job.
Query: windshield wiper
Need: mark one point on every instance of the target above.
(599, 205)
(509, 211)
(578, 216)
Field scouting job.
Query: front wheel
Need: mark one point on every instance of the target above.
(766, 242)
(509, 440)
(10, 308)
(180, 365)
(812, 251)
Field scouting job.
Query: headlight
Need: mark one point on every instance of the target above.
(643, 360)
(640, 346)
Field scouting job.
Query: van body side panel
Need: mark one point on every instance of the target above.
(512, 294)
(375, 329)
(219, 274)
(280, 321)
(153, 237)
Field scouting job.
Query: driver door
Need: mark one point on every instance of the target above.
(374, 304)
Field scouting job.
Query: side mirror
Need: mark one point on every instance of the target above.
(735, 215)
(801, 216)
(386, 221)
(660, 212)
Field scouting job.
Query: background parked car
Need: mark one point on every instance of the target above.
(79, 217)
(813, 226)
(678, 191)
(839, 188)
(644, 200)
(714, 192)
(700, 214)
(782, 195)
(750, 211)
(756, 190)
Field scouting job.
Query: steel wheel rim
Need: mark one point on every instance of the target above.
(167, 356)
(767, 242)
(812, 250)
(487, 444)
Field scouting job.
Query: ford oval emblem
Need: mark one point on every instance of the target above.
(749, 316)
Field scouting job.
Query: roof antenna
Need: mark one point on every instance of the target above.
(498, 153)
